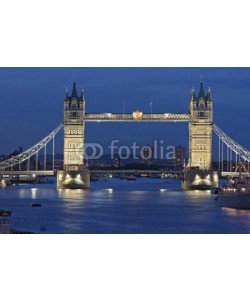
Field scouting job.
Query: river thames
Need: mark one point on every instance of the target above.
(120, 206)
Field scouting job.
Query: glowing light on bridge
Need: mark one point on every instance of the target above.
(137, 115)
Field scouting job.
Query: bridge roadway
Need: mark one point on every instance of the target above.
(233, 174)
(132, 171)
(136, 116)
(115, 172)
(45, 173)
(28, 173)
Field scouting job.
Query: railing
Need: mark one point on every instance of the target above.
(234, 174)
(137, 116)
(136, 171)
(31, 173)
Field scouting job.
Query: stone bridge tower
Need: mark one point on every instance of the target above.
(200, 130)
(74, 174)
(199, 174)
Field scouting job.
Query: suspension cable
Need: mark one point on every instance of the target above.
(11, 162)
(219, 153)
(241, 151)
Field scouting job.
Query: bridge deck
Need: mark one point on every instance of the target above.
(135, 171)
(233, 174)
(137, 117)
(114, 171)
(30, 173)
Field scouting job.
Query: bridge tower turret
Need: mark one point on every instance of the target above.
(199, 174)
(74, 174)
(200, 129)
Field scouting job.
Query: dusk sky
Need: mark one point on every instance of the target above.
(32, 102)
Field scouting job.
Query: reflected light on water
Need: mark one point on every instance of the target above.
(110, 191)
(197, 195)
(22, 193)
(73, 194)
(28, 193)
(137, 192)
(33, 193)
(234, 211)
(137, 195)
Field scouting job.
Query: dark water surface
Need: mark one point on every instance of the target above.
(118, 206)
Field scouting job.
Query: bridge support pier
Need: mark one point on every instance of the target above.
(200, 180)
(73, 179)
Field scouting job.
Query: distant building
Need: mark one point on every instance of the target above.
(2, 157)
(147, 153)
(116, 161)
(180, 156)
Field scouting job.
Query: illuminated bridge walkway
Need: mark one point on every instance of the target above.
(137, 117)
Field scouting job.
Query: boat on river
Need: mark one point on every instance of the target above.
(36, 205)
(5, 213)
(128, 177)
(236, 193)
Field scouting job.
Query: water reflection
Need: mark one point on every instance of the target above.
(197, 195)
(110, 191)
(23, 193)
(144, 206)
(235, 212)
(73, 194)
(137, 195)
(33, 193)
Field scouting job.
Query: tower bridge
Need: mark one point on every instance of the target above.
(198, 173)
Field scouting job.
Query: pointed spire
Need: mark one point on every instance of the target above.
(209, 93)
(66, 93)
(82, 93)
(201, 91)
(193, 93)
(74, 91)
